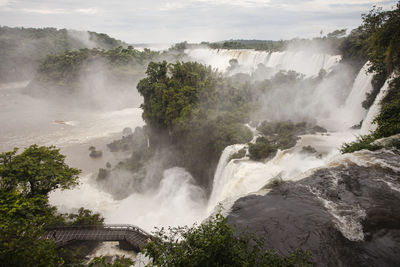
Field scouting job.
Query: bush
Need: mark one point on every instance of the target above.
(276, 181)
(215, 243)
(238, 155)
(261, 149)
(362, 142)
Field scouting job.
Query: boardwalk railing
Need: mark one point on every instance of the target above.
(129, 236)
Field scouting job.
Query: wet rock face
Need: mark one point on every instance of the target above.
(346, 215)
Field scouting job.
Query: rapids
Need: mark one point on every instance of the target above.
(178, 200)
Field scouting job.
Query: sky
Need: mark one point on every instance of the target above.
(172, 21)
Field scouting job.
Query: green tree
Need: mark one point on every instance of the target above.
(383, 30)
(22, 220)
(197, 111)
(85, 217)
(383, 43)
(36, 171)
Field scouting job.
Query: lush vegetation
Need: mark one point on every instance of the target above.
(238, 155)
(25, 181)
(331, 42)
(279, 135)
(64, 70)
(36, 171)
(22, 49)
(383, 48)
(196, 110)
(215, 243)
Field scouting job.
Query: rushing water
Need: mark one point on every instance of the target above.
(178, 201)
(308, 63)
(368, 125)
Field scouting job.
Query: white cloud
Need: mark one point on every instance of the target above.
(90, 11)
(4, 3)
(167, 21)
(172, 5)
(243, 3)
(45, 10)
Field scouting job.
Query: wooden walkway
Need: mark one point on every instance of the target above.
(129, 236)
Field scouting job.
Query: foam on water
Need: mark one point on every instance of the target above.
(177, 201)
(238, 177)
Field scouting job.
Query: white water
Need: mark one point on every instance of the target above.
(243, 176)
(353, 112)
(177, 201)
(308, 63)
(239, 177)
(368, 125)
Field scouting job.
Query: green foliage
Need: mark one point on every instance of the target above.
(281, 128)
(215, 243)
(274, 182)
(262, 149)
(36, 171)
(196, 110)
(180, 46)
(330, 43)
(64, 69)
(22, 49)
(279, 135)
(169, 100)
(238, 155)
(22, 220)
(383, 43)
(25, 181)
(84, 217)
(248, 44)
(388, 120)
(354, 48)
(362, 142)
(383, 30)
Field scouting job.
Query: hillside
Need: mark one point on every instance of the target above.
(22, 49)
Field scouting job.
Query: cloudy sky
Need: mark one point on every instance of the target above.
(171, 21)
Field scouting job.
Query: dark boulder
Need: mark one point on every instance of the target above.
(346, 215)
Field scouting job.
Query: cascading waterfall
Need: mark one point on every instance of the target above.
(308, 63)
(218, 182)
(353, 112)
(239, 177)
(368, 125)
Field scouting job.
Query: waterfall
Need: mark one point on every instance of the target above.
(308, 63)
(353, 112)
(239, 177)
(374, 110)
(219, 182)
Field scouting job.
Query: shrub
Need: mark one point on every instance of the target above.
(238, 155)
(362, 142)
(215, 243)
(261, 149)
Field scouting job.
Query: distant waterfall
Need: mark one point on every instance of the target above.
(305, 62)
(374, 110)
